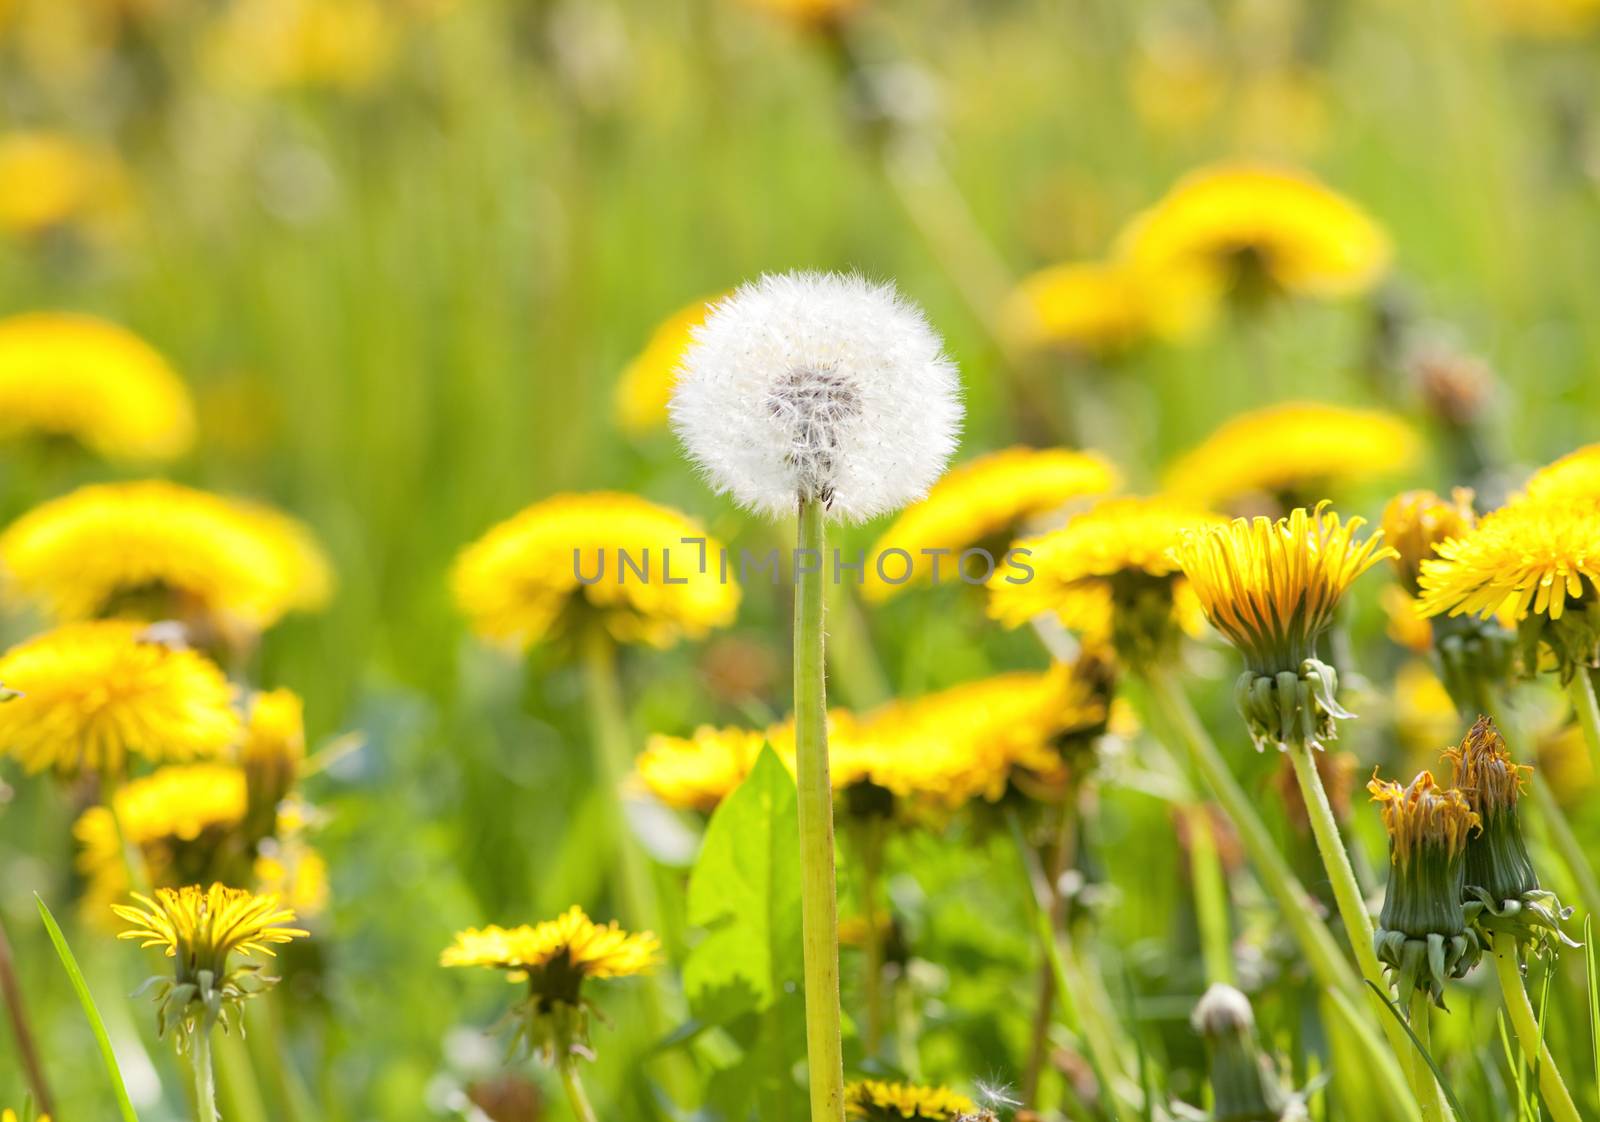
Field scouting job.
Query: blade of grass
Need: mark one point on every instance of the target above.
(1450, 1096)
(1591, 970)
(75, 976)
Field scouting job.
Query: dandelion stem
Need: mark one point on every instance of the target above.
(1588, 710)
(1210, 894)
(205, 1084)
(1063, 818)
(572, 1083)
(870, 839)
(819, 901)
(1294, 902)
(1433, 1106)
(21, 1030)
(1554, 1089)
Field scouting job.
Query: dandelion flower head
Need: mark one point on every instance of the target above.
(874, 1100)
(642, 393)
(556, 956)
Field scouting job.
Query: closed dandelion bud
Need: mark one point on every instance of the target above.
(1422, 934)
(1272, 588)
(1502, 887)
(817, 386)
(1244, 1083)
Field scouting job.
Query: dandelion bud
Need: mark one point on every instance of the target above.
(1422, 934)
(1415, 521)
(817, 386)
(1244, 1083)
(1502, 888)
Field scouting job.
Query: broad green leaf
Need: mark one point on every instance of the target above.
(744, 890)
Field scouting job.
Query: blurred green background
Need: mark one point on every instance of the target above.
(402, 271)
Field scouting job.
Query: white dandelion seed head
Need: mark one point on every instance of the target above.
(1221, 1011)
(820, 385)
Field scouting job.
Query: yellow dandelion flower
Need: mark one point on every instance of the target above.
(808, 13)
(698, 771)
(295, 872)
(1416, 521)
(1575, 476)
(1529, 556)
(1108, 574)
(640, 400)
(1255, 224)
(874, 1100)
(274, 747)
(94, 694)
(1424, 713)
(1545, 19)
(982, 504)
(1405, 626)
(160, 550)
(9, 1115)
(526, 579)
(281, 44)
(562, 951)
(1271, 587)
(49, 179)
(1089, 307)
(84, 379)
(1295, 451)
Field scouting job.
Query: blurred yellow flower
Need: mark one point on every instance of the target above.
(1293, 452)
(698, 771)
(1545, 19)
(1425, 716)
(1530, 557)
(94, 694)
(808, 13)
(1405, 626)
(1257, 225)
(639, 402)
(274, 44)
(81, 378)
(1574, 476)
(48, 180)
(1091, 307)
(558, 954)
(1414, 522)
(295, 872)
(1108, 574)
(982, 504)
(520, 583)
(161, 550)
(874, 1100)
(1271, 587)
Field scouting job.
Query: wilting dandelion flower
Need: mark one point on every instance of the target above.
(1244, 1082)
(157, 550)
(1536, 561)
(559, 565)
(83, 379)
(1502, 886)
(179, 820)
(1110, 575)
(1292, 453)
(1271, 588)
(982, 504)
(200, 929)
(815, 386)
(1575, 476)
(555, 959)
(49, 180)
(1422, 934)
(94, 694)
(640, 399)
(1254, 228)
(875, 1100)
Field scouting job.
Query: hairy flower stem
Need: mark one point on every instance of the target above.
(1294, 902)
(1353, 907)
(1557, 1099)
(205, 1084)
(818, 894)
(21, 1029)
(572, 1084)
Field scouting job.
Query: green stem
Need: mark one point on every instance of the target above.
(21, 1028)
(818, 900)
(1210, 895)
(1434, 1108)
(1556, 1096)
(870, 834)
(1295, 905)
(1062, 815)
(572, 1083)
(1587, 706)
(205, 1084)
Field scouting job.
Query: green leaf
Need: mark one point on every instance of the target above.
(75, 976)
(744, 890)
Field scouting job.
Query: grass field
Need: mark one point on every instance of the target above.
(401, 253)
